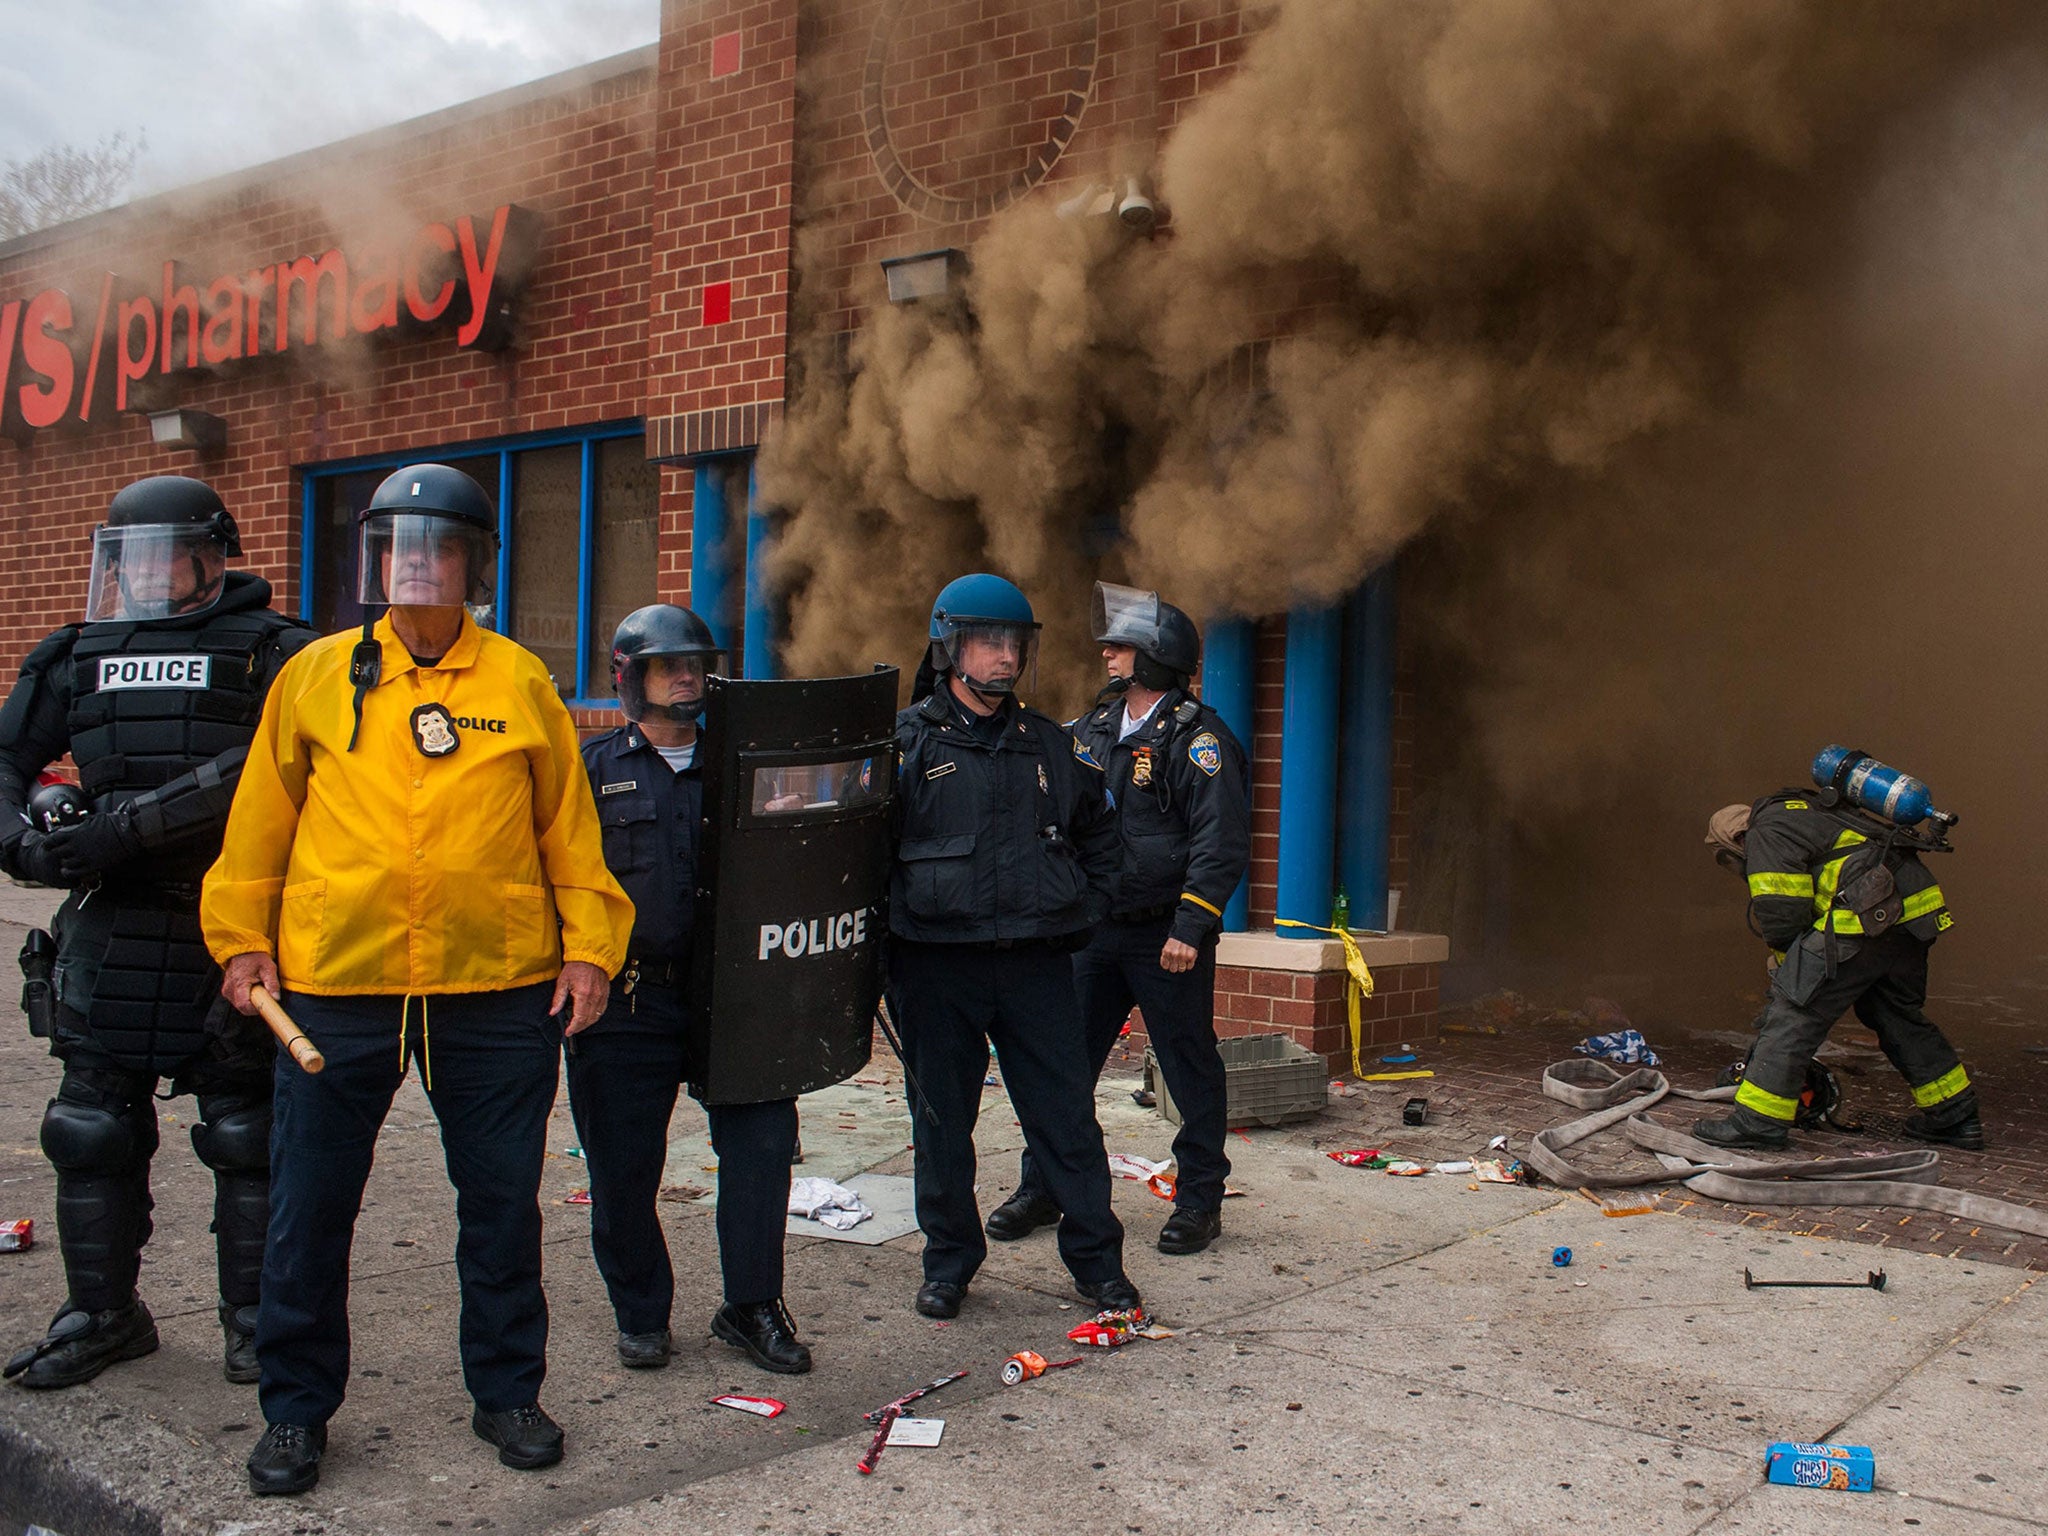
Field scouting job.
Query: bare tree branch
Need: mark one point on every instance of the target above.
(66, 182)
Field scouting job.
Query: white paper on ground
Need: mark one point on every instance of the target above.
(916, 1432)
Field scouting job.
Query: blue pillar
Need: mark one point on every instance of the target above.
(708, 563)
(1366, 776)
(760, 630)
(1229, 653)
(586, 567)
(1308, 767)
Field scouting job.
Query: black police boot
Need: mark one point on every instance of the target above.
(1188, 1230)
(1955, 1124)
(239, 1363)
(645, 1351)
(1744, 1129)
(1021, 1215)
(526, 1438)
(939, 1298)
(765, 1330)
(80, 1345)
(287, 1458)
(1117, 1295)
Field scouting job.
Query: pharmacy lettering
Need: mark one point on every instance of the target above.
(63, 358)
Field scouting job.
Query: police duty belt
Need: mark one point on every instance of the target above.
(1909, 1180)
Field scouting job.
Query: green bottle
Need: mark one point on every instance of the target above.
(1340, 910)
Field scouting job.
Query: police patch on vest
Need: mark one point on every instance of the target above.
(1206, 753)
(1081, 751)
(155, 672)
(433, 730)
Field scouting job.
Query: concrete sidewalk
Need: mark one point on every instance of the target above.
(1360, 1352)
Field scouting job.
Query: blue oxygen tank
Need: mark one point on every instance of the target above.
(1876, 787)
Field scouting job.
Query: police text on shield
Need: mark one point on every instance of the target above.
(815, 936)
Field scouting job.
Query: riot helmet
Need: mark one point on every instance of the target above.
(162, 552)
(654, 633)
(429, 539)
(983, 632)
(1169, 646)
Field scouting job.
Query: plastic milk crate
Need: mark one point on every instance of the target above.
(1270, 1081)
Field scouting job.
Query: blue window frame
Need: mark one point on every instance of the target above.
(578, 518)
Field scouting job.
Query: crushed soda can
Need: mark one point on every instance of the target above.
(766, 1407)
(1028, 1364)
(1360, 1157)
(18, 1236)
(1851, 1468)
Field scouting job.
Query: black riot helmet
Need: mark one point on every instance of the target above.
(1169, 646)
(419, 515)
(162, 551)
(663, 629)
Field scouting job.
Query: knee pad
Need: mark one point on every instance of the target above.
(85, 1138)
(235, 1142)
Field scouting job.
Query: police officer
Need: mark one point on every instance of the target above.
(1177, 779)
(624, 1072)
(414, 851)
(1804, 860)
(155, 697)
(1005, 851)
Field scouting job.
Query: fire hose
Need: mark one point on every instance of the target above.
(1908, 1180)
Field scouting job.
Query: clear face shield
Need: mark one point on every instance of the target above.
(993, 658)
(153, 571)
(665, 687)
(1125, 615)
(419, 560)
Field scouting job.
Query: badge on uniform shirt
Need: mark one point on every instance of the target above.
(1206, 753)
(1141, 766)
(618, 789)
(940, 771)
(433, 730)
(1044, 784)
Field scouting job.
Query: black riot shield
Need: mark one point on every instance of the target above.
(793, 882)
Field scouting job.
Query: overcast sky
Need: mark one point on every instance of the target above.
(216, 85)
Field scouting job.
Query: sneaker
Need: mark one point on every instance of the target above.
(765, 1330)
(938, 1298)
(526, 1437)
(80, 1345)
(645, 1351)
(1021, 1215)
(238, 1361)
(1188, 1230)
(287, 1458)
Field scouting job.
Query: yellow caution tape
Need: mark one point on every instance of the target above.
(1359, 985)
(1393, 1077)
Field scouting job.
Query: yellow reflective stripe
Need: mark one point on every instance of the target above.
(1781, 885)
(1920, 903)
(1830, 877)
(1191, 896)
(1946, 1086)
(1764, 1102)
(1842, 922)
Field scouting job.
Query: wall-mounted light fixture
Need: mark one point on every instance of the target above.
(927, 275)
(188, 429)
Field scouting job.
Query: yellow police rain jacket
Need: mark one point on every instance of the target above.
(437, 856)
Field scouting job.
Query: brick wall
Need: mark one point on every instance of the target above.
(1308, 1007)
(1269, 674)
(580, 154)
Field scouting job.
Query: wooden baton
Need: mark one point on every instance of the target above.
(289, 1035)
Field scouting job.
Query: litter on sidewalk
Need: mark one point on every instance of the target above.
(922, 1434)
(1624, 1045)
(1851, 1468)
(18, 1236)
(766, 1407)
(821, 1200)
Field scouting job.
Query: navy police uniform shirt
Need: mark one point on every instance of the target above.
(651, 817)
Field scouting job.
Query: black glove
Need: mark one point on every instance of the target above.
(32, 858)
(98, 843)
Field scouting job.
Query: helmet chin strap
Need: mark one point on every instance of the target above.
(1115, 688)
(677, 713)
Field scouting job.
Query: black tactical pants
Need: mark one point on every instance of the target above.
(953, 1001)
(1885, 981)
(1121, 969)
(624, 1073)
(100, 1133)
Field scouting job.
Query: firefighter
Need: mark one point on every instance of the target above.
(155, 696)
(414, 853)
(1177, 778)
(624, 1073)
(1005, 851)
(1806, 863)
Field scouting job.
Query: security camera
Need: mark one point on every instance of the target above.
(1135, 209)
